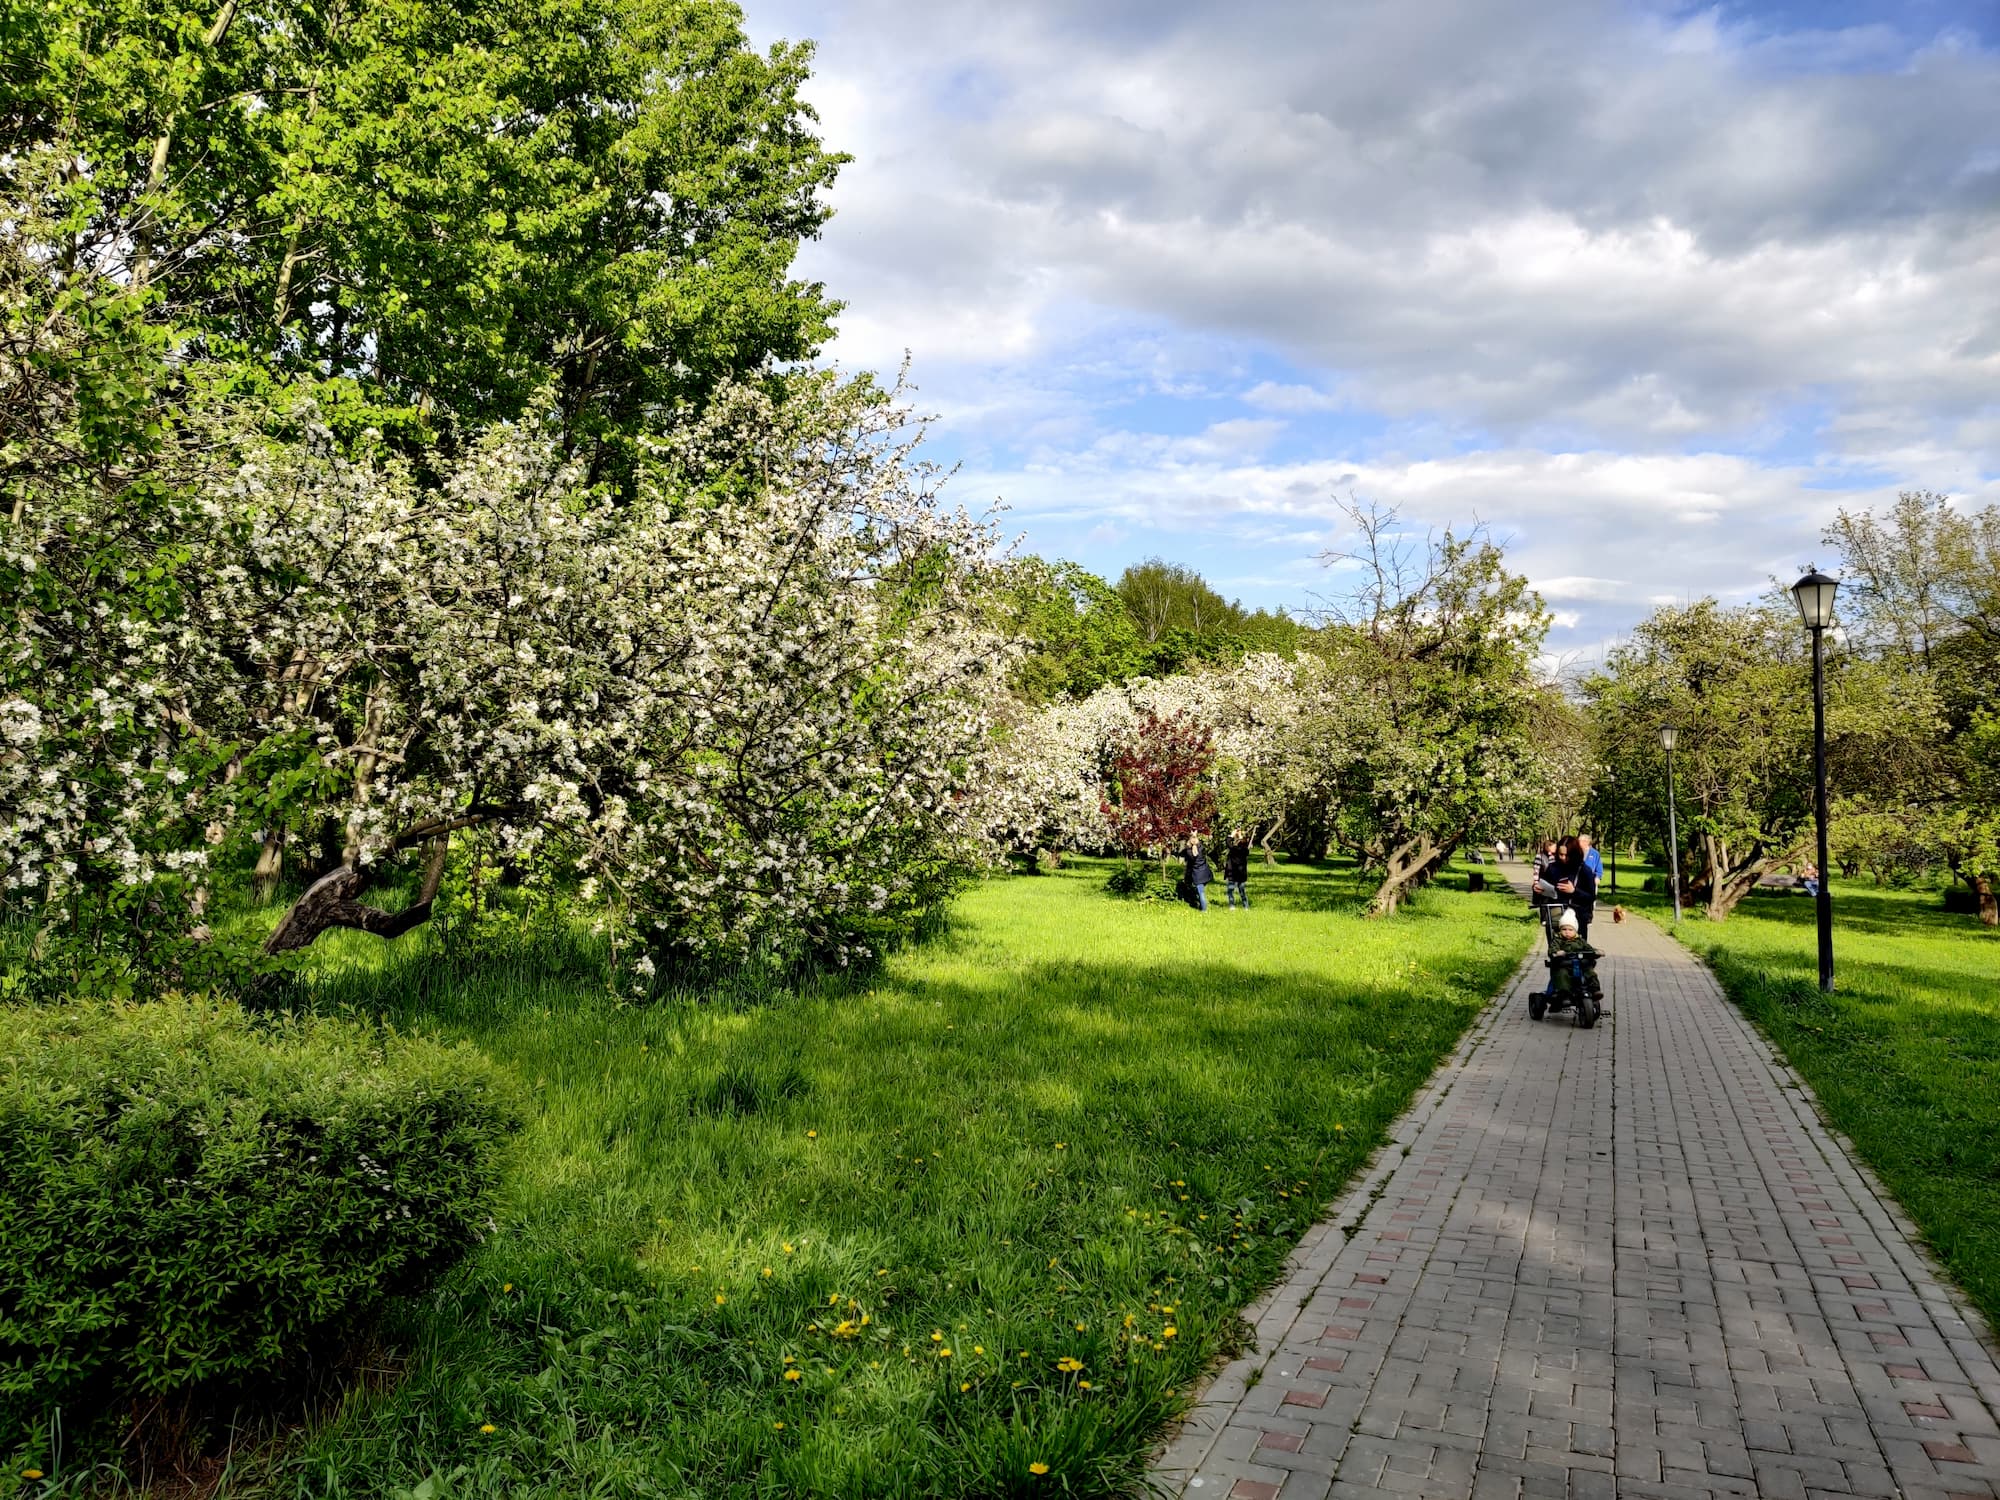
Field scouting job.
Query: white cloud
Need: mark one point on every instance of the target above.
(1630, 284)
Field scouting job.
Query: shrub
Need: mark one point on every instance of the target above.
(1129, 879)
(197, 1195)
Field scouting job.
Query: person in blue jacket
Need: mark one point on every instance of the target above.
(1588, 844)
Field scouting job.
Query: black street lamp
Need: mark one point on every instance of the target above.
(1668, 736)
(1814, 594)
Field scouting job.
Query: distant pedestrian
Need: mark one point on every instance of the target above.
(1809, 878)
(1236, 869)
(1198, 873)
(1588, 844)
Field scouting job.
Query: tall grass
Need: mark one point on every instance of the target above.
(992, 1208)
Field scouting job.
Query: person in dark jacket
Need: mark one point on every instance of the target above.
(1198, 873)
(1575, 883)
(1236, 869)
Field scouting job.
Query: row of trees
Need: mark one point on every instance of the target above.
(1412, 723)
(1079, 632)
(1913, 717)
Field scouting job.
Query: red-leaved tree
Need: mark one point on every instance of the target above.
(1161, 780)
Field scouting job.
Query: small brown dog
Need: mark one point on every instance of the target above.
(1617, 915)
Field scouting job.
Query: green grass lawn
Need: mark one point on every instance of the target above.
(1904, 1056)
(995, 1207)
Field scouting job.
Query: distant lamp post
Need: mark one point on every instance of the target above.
(1814, 594)
(1669, 737)
(1611, 824)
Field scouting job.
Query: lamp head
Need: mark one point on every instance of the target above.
(1814, 596)
(1668, 735)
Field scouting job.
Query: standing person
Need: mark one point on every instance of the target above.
(1588, 844)
(1236, 869)
(1574, 880)
(1545, 858)
(1198, 872)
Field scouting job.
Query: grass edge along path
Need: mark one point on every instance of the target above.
(1903, 1058)
(974, 1228)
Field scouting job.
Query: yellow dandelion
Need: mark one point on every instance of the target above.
(944, 1354)
(1038, 1469)
(507, 1286)
(787, 1249)
(720, 1299)
(1079, 1328)
(487, 1427)
(812, 1135)
(767, 1270)
(795, 1375)
(1069, 1364)
(964, 1385)
(1169, 1332)
(31, 1473)
(978, 1348)
(1083, 1385)
(883, 1272)
(777, 1427)
(936, 1337)
(791, 1359)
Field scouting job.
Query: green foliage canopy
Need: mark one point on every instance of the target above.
(440, 207)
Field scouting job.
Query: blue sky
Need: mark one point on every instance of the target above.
(1649, 289)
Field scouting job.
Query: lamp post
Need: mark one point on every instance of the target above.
(1814, 596)
(1669, 735)
(1611, 825)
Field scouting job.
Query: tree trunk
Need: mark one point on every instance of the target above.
(1989, 906)
(330, 902)
(270, 866)
(1271, 833)
(1402, 866)
(1729, 884)
(156, 174)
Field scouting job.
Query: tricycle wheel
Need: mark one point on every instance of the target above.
(1586, 1010)
(1537, 1004)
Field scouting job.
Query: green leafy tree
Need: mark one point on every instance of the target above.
(439, 207)
(1075, 630)
(1165, 597)
(1737, 685)
(1922, 592)
(1429, 706)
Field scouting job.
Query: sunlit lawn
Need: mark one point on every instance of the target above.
(1904, 1056)
(995, 1209)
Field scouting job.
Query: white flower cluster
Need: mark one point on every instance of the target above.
(748, 698)
(1052, 767)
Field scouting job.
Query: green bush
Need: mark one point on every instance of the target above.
(193, 1194)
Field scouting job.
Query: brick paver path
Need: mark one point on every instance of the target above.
(1628, 1261)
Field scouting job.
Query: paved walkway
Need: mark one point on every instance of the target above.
(1628, 1261)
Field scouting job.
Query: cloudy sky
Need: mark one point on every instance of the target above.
(1651, 290)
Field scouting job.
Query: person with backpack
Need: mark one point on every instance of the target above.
(1236, 869)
